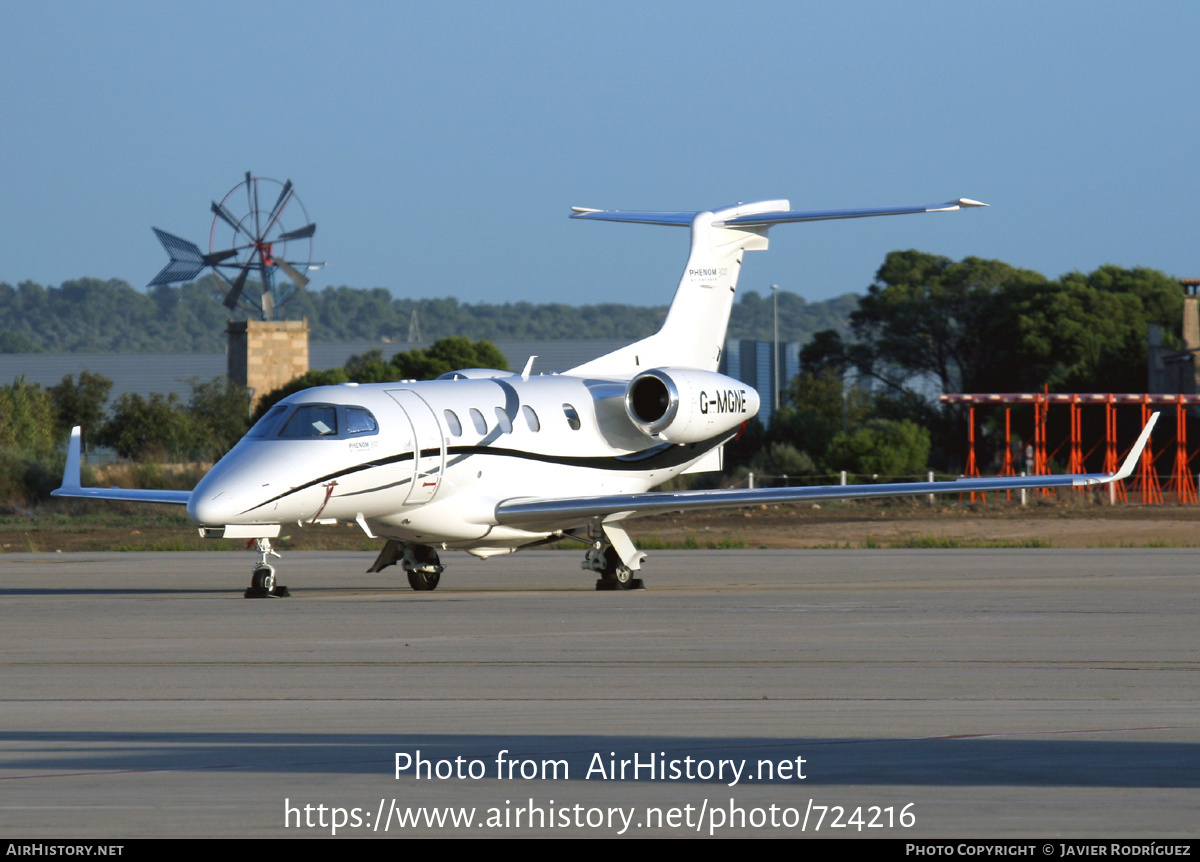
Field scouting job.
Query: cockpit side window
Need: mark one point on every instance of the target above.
(360, 421)
(572, 417)
(269, 423)
(311, 420)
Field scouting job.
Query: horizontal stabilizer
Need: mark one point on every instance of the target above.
(679, 219)
(827, 215)
(766, 217)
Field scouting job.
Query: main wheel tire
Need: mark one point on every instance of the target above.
(423, 581)
(616, 575)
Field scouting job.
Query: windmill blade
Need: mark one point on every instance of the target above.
(231, 298)
(278, 208)
(297, 279)
(299, 233)
(213, 258)
(252, 183)
(230, 220)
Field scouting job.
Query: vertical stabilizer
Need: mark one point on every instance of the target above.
(694, 330)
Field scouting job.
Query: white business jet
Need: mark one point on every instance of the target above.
(490, 462)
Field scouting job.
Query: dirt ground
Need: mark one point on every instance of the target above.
(1067, 524)
(1070, 523)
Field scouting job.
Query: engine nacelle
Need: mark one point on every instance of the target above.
(684, 405)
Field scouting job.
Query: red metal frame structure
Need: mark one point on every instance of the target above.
(1182, 485)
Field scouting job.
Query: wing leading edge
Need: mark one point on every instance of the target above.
(527, 513)
(72, 486)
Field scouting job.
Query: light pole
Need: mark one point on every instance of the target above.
(775, 375)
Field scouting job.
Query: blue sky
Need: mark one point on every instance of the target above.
(440, 146)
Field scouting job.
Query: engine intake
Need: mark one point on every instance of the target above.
(684, 405)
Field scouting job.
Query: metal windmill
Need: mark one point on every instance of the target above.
(247, 241)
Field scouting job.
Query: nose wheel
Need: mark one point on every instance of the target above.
(262, 578)
(423, 567)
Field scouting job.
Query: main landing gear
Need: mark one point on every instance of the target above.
(262, 579)
(614, 557)
(420, 563)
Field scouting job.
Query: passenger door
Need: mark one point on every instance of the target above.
(429, 446)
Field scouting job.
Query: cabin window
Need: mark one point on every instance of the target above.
(452, 422)
(360, 421)
(312, 420)
(530, 418)
(505, 422)
(269, 423)
(572, 417)
(478, 422)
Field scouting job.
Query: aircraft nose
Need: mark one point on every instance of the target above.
(211, 507)
(233, 487)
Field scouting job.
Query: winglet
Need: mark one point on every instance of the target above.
(1130, 460)
(1136, 452)
(71, 480)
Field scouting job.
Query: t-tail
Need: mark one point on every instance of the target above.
(694, 331)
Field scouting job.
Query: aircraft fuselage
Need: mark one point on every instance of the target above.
(428, 461)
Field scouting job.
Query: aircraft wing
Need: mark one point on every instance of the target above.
(545, 512)
(71, 486)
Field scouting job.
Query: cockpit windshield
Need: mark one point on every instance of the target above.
(312, 420)
(268, 425)
(292, 422)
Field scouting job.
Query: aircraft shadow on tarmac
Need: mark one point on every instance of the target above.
(114, 591)
(851, 761)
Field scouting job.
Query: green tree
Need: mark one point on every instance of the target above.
(818, 406)
(153, 429)
(17, 342)
(80, 402)
(220, 413)
(448, 354)
(782, 459)
(983, 326)
(1088, 333)
(929, 316)
(881, 447)
(26, 419)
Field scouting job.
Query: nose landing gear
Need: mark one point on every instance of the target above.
(262, 579)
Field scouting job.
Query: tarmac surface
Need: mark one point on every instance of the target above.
(931, 694)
